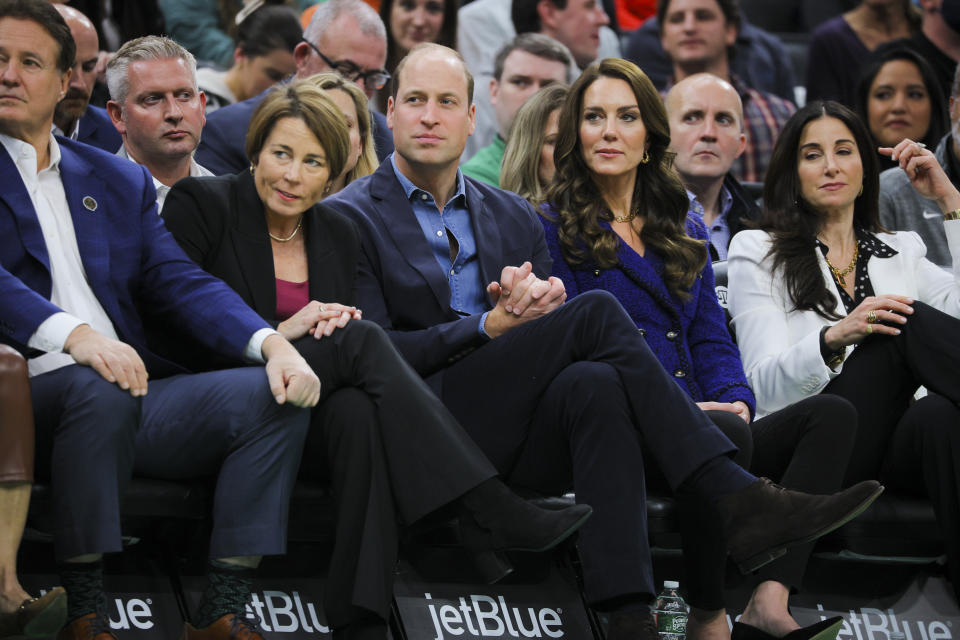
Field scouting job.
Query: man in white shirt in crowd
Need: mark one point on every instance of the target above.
(83, 259)
(157, 108)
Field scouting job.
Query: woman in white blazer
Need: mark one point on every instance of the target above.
(824, 300)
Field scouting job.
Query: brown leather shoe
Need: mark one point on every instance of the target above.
(229, 627)
(36, 617)
(89, 627)
(764, 519)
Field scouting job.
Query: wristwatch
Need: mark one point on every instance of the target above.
(831, 358)
(952, 215)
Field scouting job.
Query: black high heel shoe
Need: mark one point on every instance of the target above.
(823, 630)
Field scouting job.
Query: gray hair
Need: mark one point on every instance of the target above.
(136, 50)
(327, 12)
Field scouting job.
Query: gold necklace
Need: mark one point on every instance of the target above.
(289, 237)
(837, 273)
(627, 218)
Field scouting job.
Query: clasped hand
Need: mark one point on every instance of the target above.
(318, 319)
(521, 296)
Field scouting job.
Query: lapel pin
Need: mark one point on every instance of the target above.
(90, 203)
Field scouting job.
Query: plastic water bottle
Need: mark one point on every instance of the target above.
(671, 612)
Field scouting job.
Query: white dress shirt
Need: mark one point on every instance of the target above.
(196, 171)
(74, 135)
(70, 290)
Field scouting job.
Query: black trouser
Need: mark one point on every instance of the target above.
(908, 446)
(391, 450)
(565, 401)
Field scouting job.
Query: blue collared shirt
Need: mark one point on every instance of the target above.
(467, 293)
(719, 231)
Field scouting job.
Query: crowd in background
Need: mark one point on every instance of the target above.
(474, 246)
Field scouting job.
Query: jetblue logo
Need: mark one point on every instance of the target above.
(480, 616)
(135, 614)
(279, 612)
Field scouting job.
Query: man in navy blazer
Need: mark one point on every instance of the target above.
(83, 257)
(75, 118)
(345, 36)
(558, 395)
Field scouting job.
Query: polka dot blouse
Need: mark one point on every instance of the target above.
(869, 245)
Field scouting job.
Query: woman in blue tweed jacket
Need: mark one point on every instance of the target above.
(689, 337)
(616, 219)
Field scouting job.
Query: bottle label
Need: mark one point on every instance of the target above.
(671, 623)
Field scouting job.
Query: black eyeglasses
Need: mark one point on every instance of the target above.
(373, 79)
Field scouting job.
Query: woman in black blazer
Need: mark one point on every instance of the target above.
(392, 450)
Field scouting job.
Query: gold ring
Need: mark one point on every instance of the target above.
(322, 307)
(871, 317)
(869, 328)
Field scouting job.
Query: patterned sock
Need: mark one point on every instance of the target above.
(84, 584)
(228, 591)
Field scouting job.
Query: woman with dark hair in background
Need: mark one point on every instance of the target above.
(841, 46)
(263, 57)
(899, 97)
(411, 22)
(824, 301)
(616, 220)
(527, 167)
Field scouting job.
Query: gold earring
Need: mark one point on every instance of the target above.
(252, 169)
(646, 157)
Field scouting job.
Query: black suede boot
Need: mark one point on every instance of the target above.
(495, 519)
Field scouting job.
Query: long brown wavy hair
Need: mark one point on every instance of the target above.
(658, 196)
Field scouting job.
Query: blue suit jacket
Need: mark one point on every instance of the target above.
(700, 344)
(222, 145)
(402, 287)
(132, 263)
(97, 130)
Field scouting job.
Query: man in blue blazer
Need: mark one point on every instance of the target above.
(558, 395)
(75, 118)
(345, 36)
(83, 259)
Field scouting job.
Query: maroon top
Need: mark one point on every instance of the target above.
(291, 297)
